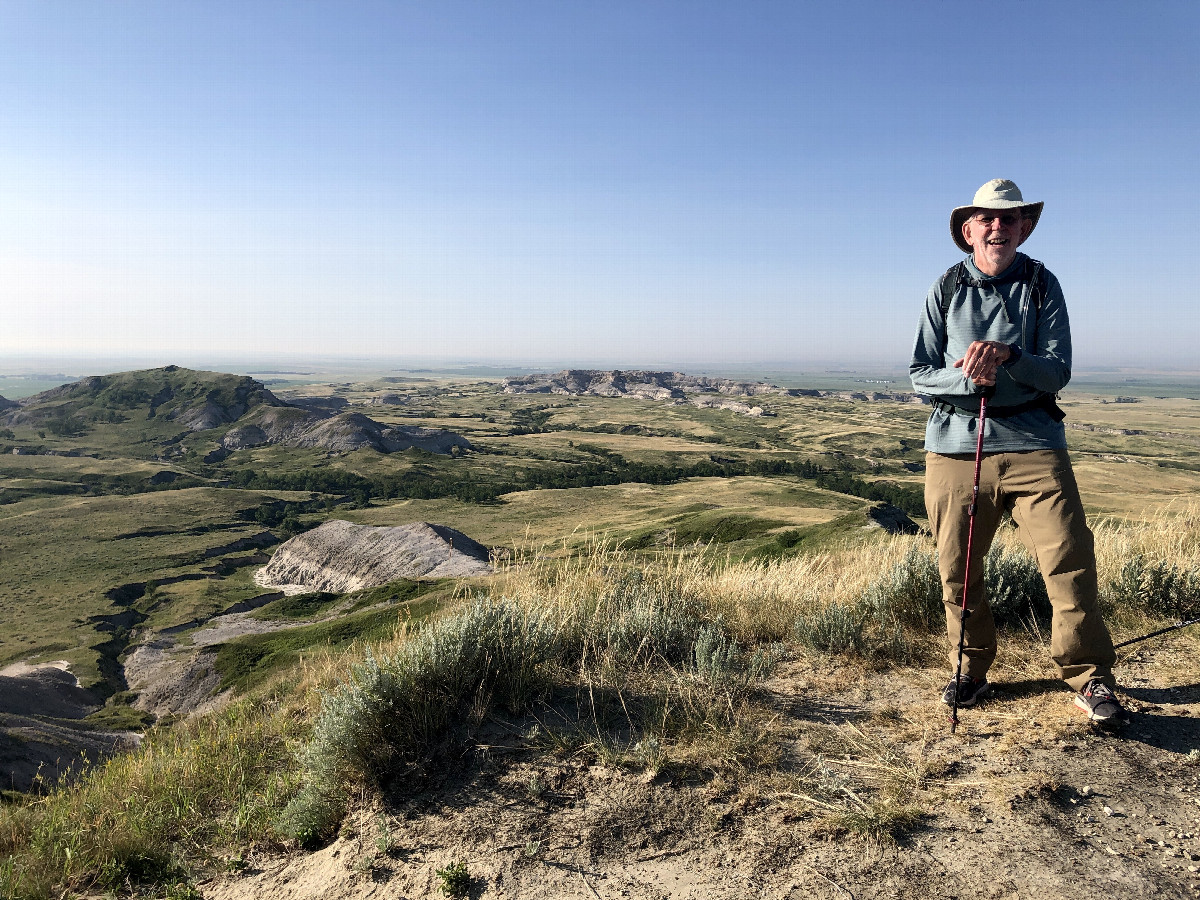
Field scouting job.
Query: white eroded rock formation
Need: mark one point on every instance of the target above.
(678, 388)
(341, 556)
(340, 433)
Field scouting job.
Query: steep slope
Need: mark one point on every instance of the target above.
(337, 433)
(340, 556)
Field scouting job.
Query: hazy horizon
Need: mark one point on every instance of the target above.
(18, 373)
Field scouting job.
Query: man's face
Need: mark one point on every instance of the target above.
(994, 235)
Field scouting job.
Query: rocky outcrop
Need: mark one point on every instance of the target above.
(672, 387)
(638, 383)
(891, 519)
(329, 404)
(866, 396)
(242, 437)
(341, 556)
(208, 415)
(171, 683)
(742, 409)
(341, 433)
(676, 387)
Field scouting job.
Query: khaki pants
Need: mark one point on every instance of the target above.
(1037, 487)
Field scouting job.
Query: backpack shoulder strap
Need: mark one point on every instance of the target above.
(953, 277)
(1035, 274)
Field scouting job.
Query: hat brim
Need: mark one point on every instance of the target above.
(1033, 211)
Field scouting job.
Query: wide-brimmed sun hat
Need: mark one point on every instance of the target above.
(999, 193)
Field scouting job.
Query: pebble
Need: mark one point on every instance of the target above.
(1108, 810)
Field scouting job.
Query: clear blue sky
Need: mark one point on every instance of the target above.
(647, 183)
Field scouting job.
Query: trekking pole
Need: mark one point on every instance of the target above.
(1146, 637)
(962, 621)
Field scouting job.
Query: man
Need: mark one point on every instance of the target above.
(997, 323)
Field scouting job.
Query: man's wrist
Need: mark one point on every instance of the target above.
(1014, 353)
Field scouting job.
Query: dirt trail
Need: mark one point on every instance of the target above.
(1027, 800)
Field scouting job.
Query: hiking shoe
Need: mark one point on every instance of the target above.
(969, 690)
(1098, 702)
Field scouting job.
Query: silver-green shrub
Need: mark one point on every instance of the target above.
(1014, 587)
(717, 660)
(909, 594)
(834, 628)
(640, 621)
(1156, 587)
(386, 716)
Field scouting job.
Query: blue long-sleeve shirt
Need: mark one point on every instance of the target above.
(996, 310)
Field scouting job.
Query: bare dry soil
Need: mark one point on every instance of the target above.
(1026, 800)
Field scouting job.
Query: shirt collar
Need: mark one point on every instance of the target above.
(1007, 274)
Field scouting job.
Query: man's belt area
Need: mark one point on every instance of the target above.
(1044, 402)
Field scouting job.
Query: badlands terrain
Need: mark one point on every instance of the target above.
(177, 543)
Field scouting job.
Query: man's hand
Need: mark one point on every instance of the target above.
(982, 360)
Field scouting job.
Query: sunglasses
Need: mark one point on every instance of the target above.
(1008, 220)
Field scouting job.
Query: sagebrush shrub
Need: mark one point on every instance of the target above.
(1156, 587)
(639, 621)
(910, 592)
(387, 715)
(716, 658)
(1014, 586)
(834, 628)
(720, 661)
